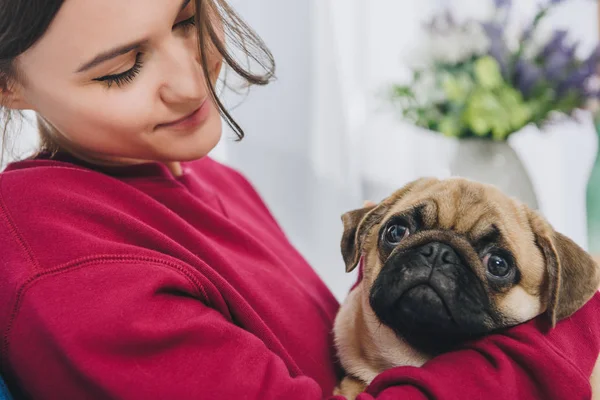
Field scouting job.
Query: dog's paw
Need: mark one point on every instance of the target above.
(350, 388)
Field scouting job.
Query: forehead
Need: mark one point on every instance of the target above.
(471, 209)
(461, 205)
(82, 28)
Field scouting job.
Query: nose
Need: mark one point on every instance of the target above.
(183, 78)
(437, 253)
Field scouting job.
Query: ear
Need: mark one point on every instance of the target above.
(358, 222)
(11, 96)
(573, 275)
(351, 246)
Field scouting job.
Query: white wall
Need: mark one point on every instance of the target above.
(22, 137)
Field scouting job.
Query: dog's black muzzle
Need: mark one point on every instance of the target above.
(431, 298)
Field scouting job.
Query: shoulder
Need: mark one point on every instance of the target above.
(51, 196)
(36, 189)
(56, 219)
(53, 213)
(42, 180)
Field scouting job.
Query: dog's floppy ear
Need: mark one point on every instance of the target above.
(573, 275)
(351, 245)
(358, 222)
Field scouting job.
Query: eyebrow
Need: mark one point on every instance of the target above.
(493, 235)
(119, 51)
(418, 214)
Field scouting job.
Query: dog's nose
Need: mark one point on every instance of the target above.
(439, 251)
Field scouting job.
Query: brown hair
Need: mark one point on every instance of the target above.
(23, 23)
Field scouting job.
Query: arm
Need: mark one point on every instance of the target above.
(139, 331)
(523, 363)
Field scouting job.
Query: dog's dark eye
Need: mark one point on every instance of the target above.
(497, 266)
(395, 232)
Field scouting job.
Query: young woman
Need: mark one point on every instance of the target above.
(134, 267)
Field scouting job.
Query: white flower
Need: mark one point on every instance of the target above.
(478, 10)
(448, 46)
(427, 88)
(593, 84)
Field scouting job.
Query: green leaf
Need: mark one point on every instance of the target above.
(402, 91)
(452, 89)
(479, 125)
(457, 87)
(517, 111)
(487, 72)
(449, 126)
(485, 115)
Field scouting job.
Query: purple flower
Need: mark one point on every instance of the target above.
(557, 41)
(527, 75)
(590, 65)
(556, 64)
(526, 35)
(576, 80)
(571, 50)
(503, 3)
(579, 76)
(593, 59)
(498, 48)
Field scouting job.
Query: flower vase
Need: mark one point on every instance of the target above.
(495, 163)
(593, 204)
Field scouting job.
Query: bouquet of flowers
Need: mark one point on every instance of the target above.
(495, 82)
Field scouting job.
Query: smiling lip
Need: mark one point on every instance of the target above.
(190, 121)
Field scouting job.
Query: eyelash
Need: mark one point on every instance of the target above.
(186, 23)
(124, 77)
(127, 76)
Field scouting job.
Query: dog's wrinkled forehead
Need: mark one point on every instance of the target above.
(469, 208)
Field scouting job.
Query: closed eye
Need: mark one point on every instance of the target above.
(185, 24)
(123, 77)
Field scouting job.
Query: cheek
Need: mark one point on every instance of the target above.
(92, 115)
(518, 304)
(217, 65)
(213, 57)
(536, 269)
(214, 62)
(371, 268)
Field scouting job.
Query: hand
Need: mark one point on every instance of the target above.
(369, 203)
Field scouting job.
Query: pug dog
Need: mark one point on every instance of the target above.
(445, 261)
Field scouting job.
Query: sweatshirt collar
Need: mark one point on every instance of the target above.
(150, 169)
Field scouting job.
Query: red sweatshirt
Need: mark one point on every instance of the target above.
(129, 283)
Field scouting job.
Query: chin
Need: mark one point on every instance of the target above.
(193, 146)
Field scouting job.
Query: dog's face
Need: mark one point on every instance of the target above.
(446, 261)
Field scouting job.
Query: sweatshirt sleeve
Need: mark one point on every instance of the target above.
(138, 331)
(527, 362)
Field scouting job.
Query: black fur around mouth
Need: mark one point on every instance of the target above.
(425, 294)
(433, 305)
(428, 328)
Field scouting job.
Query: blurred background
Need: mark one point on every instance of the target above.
(371, 94)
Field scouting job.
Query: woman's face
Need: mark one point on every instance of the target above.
(121, 81)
